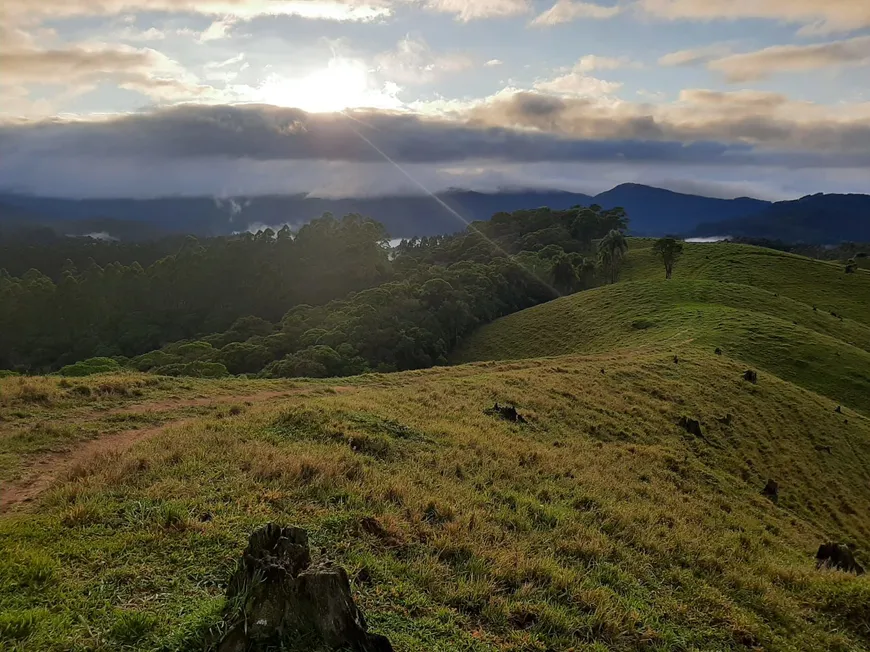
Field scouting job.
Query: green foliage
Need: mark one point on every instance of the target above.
(611, 251)
(237, 283)
(442, 288)
(450, 285)
(90, 367)
(244, 357)
(318, 361)
(196, 369)
(149, 361)
(669, 251)
(8, 373)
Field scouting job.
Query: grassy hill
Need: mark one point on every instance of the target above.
(810, 281)
(803, 320)
(599, 524)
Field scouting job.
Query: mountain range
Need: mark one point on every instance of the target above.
(818, 219)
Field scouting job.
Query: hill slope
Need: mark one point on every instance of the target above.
(774, 328)
(599, 524)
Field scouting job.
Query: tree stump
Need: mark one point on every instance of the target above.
(771, 490)
(277, 596)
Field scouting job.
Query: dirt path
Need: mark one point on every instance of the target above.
(46, 469)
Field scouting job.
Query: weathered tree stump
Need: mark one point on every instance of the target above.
(839, 557)
(277, 595)
(691, 426)
(771, 490)
(506, 412)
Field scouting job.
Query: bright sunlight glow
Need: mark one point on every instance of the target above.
(343, 84)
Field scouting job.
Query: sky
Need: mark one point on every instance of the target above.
(145, 98)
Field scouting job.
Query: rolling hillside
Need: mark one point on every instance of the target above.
(756, 305)
(600, 523)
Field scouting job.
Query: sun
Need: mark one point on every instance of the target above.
(342, 84)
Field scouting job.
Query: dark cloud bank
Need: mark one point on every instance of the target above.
(253, 149)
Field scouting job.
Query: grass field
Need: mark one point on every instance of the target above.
(809, 281)
(600, 524)
(805, 321)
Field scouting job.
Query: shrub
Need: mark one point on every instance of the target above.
(194, 370)
(242, 358)
(90, 367)
(149, 361)
(194, 351)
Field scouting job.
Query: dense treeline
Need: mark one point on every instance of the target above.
(352, 305)
(126, 310)
(41, 248)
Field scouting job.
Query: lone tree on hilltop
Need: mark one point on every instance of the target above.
(669, 251)
(611, 250)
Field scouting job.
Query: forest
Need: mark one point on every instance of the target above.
(333, 298)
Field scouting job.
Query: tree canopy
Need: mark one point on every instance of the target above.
(668, 250)
(329, 299)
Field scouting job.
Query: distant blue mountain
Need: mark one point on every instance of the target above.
(404, 216)
(657, 212)
(814, 219)
(652, 211)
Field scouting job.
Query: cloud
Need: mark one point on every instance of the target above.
(134, 35)
(752, 142)
(468, 10)
(752, 66)
(816, 16)
(271, 133)
(219, 29)
(704, 127)
(413, 62)
(566, 11)
(695, 55)
(793, 133)
(25, 11)
(81, 67)
(577, 83)
(129, 177)
(493, 62)
(593, 62)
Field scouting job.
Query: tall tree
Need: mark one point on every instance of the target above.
(564, 274)
(611, 251)
(669, 251)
